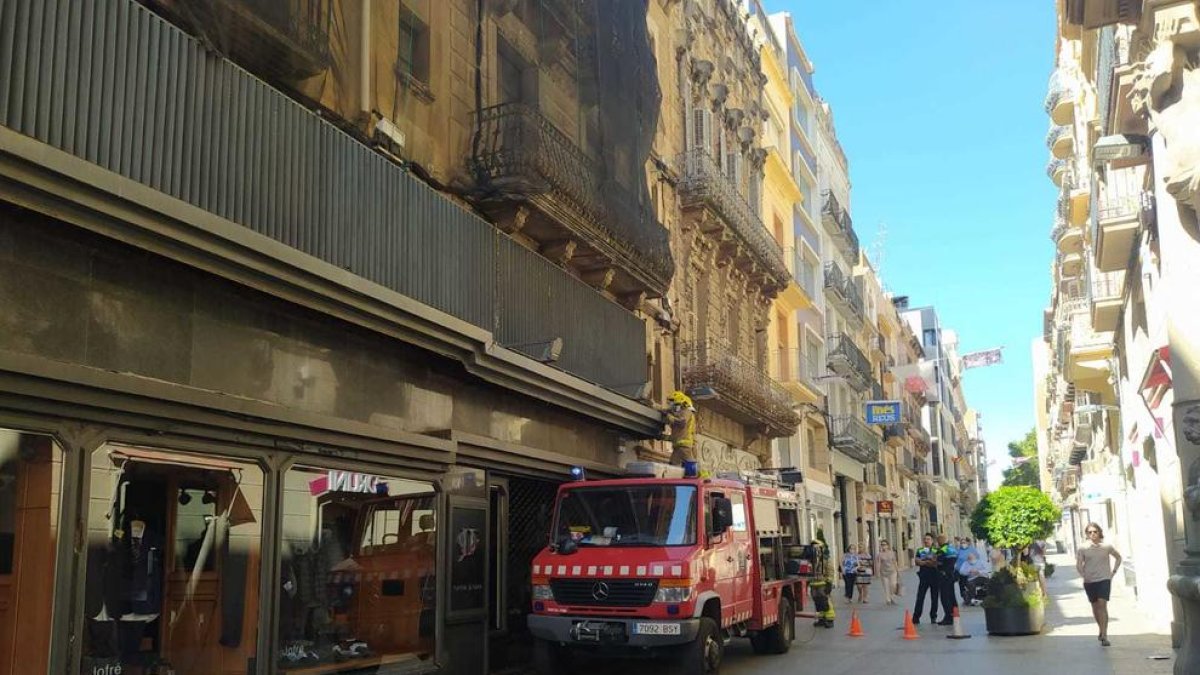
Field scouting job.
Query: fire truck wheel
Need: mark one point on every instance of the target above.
(778, 638)
(702, 656)
(549, 658)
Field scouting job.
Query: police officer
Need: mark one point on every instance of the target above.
(821, 584)
(927, 576)
(947, 561)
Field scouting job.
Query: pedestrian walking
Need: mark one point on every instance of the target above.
(889, 572)
(1091, 560)
(927, 580)
(850, 571)
(866, 572)
(947, 560)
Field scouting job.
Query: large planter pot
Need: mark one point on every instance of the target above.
(1015, 620)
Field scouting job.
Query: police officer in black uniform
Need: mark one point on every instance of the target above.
(947, 560)
(927, 576)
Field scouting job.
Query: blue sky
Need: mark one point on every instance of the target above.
(939, 109)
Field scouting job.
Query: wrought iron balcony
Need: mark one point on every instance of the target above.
(704, 184)
(1060, 96)
(853, 438)
(841, 227)
(844, 293)
(1060, 141)
(718, 377)
(845, 359)
(1057, 170)
(894, 435)
(278, 39)
(1120, 203)
(1107, 289)
(520, 155)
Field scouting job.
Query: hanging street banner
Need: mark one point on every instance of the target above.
(987, 357)
(883, 412)
(919, 379)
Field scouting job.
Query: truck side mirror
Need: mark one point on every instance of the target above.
(722, 516)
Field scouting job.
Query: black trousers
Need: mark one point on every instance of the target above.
(946, 593)
(850, 580)
(927, 583)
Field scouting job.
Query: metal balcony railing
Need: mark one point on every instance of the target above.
(1056, 170)
(520, 152)
(841, 226)
(703, 182)
(1107, 285)
(1058, 132)
(852, 437)
(1063, 86)
(1058, 229)
(844, 291)
(715, 370)
(288, 40)
(845, 359)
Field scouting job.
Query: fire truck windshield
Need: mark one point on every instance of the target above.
(641, 515)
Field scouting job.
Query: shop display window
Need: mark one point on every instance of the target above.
(357, 571)
(173, 563)
(30, 488)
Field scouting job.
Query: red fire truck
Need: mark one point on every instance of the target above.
(658, 563)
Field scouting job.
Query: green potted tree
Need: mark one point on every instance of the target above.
(1012, 518)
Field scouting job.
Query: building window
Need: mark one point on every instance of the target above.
(357, 560)
(173, 553)
(412, 52)
(930, 337)
(515, 82)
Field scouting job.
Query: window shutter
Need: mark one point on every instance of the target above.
(702, 129)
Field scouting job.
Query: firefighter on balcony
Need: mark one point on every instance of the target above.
(680, 416)
(822, 583)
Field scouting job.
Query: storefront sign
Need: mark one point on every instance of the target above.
(883, 412)
(885, 506)
(347, 481)
(467, 567)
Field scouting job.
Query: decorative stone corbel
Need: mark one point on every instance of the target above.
(701, 71)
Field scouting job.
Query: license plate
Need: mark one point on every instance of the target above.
(656, 629)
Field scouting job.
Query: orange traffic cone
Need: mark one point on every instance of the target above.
(958, 632)
(910, 631)
(855, 625)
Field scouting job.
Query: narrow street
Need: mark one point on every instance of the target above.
(1068, 643)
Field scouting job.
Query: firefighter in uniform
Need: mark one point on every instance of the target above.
(681, 417)
(822, 584)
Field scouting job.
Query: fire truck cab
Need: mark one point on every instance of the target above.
(662, 564)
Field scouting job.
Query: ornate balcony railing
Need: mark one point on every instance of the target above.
(837, 219)
(1063, 87)
(1058, 132)
(703, 182)
(712, 371)
(853, 438)
(847, 360)
(844, 291)
(287, 39)
(521, 153)
(1057, 169)
(1107, 285)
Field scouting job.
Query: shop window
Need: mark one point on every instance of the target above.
(173, 563)
(358, 571)
(30, 487)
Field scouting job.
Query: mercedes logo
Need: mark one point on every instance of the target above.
(600, 590)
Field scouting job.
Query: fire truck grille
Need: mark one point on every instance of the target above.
(604, 592)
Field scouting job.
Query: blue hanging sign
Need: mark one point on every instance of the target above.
(883, 412)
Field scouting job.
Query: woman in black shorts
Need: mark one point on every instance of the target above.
(1092, 562)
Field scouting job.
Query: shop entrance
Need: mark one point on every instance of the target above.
(520, 523)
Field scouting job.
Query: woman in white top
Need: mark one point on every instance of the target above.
(889, 572)
(1092, 562)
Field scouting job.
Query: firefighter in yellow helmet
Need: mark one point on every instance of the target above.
(681, 418)
(822, 584)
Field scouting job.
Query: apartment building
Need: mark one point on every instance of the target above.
(1120, 445)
